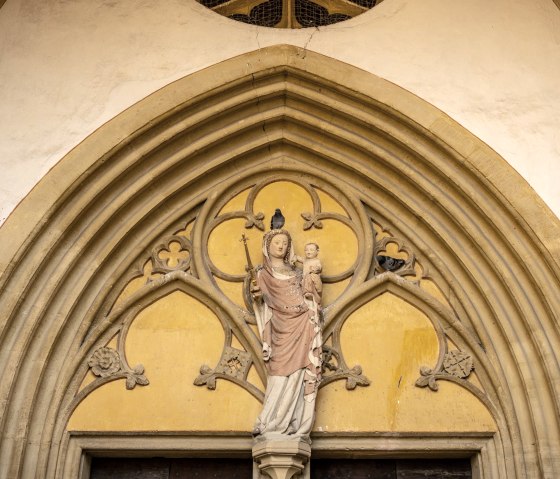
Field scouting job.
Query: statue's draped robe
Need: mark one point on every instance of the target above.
(290, 329)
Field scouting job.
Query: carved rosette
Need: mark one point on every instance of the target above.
(234, 363)
(106, 363)
(456, 365)
(234, 366)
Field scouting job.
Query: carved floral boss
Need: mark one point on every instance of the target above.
(106, 362)
(455, 365)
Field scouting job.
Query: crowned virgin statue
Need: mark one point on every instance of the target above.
(289, 322)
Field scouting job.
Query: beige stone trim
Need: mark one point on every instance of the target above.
(82, 446)
(131, 123)
(483, 449)
(490, 240)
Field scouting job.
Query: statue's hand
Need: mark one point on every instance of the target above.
(267, 352)
(256, 292)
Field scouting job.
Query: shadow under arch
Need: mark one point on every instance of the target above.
(455, 198)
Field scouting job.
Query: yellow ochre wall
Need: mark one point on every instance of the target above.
(174, 337)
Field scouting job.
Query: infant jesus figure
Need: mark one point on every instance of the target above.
(312, 268)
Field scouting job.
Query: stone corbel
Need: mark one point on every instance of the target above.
(281, 459)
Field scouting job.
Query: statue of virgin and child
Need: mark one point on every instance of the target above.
(287, 305)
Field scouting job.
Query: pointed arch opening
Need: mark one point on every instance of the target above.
(283, 111)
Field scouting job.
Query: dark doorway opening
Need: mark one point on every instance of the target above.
(391, 469)
(171, 468)
(241, 468)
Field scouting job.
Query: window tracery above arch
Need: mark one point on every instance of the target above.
(290, 13)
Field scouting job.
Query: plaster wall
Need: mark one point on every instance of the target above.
(66, 68)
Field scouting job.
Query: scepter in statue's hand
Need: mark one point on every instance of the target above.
(255, 290)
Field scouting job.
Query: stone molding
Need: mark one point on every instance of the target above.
(81, 446)
(458, 203)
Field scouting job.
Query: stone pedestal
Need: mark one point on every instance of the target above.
(281, 459)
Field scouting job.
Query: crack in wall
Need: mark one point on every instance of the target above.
(315, 30)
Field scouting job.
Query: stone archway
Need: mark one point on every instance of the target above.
(281, 109)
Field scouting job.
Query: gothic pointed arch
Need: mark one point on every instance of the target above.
(402, 172)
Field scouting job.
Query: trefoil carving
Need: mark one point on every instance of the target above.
(399, 266)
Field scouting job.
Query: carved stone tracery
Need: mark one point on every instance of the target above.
(473, 213)
(178, 252)
(173, 253)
